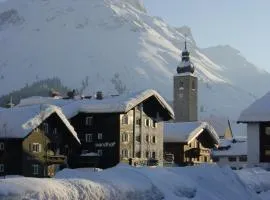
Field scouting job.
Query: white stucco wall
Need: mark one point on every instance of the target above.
(253, 143)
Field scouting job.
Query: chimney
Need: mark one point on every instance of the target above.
(99, 95)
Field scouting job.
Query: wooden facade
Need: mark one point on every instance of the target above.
(41, 153)
(192, 152)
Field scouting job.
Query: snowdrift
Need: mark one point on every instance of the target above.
(125, 182)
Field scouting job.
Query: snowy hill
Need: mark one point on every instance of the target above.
(98, 40)
(143, 183)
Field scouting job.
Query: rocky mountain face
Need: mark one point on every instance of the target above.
(95, 45)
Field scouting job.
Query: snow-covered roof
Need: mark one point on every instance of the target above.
(233, 147)
(187, 131)
(258, 111)
(115, 104)
(18, 122)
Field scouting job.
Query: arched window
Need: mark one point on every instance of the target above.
(181, 85)
(193, 85)
(125, 137)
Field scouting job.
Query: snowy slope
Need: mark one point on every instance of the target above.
(125, 182)
(79, 40)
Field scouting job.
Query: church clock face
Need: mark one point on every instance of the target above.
(181, 95)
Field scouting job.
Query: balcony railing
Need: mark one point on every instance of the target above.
(194, 152)
(56, 159)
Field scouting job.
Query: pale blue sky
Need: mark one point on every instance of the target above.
(243, 24)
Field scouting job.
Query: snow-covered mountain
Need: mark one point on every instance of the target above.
(98, 40)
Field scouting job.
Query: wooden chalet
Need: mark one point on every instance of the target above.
(35, 141)
(126, 128)
(189, 142)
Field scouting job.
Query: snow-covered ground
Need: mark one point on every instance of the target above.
(125, 182)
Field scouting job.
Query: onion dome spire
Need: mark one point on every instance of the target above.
(185, 65)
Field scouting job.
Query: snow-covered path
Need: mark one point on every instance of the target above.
(125, 182)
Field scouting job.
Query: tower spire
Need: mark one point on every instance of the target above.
(185, 41)
(186, 65)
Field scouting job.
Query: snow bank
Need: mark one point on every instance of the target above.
(256, 178)
(125, 182)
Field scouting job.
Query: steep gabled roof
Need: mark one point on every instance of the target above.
(235, 147)
(116, 104)
(258, 111)
(18, 122)
(185, 132)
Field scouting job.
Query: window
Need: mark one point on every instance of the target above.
(154, 139)
(154, 124)
(205, 159)
(55, 131)
(243, 158)
(88, 121)
(193, 86)
(125, 153)
(2, 167)
(138, 154)
(153, 154)
(147, 154)
(35, 169)
(267, 152)
(233, 168)
(138, 121)
(181, 85)
(46, 127)
(100, 136)
(232, 159)
(147, 122)
(215, 159)
(138, 138)
(2, 146)
(267, 130)
(125, 137)
(147, 138)
(36, 148)
(125, 119)
(36, 130)
(99, 152)
(88, 138)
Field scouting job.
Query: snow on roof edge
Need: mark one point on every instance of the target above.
(146, 94)
(33, 123)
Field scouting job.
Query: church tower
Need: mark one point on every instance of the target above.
(185, 90)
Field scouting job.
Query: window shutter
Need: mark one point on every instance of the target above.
(30, 147)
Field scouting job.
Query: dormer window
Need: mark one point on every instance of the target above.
(88, 121)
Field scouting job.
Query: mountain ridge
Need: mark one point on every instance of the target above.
(99, 39)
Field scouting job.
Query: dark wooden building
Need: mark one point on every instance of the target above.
(189, 142)
(117, 128)
(35, 141)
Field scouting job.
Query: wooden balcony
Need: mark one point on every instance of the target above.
(195, 152)
(56, 159)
